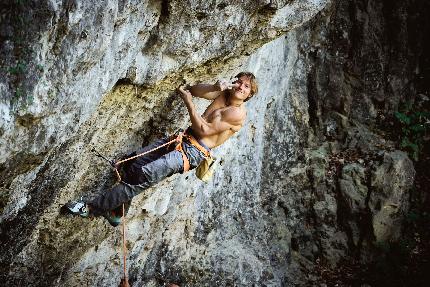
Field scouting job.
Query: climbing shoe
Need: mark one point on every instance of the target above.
(112, 218)
(78, 207)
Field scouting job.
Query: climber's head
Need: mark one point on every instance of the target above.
(247, 84)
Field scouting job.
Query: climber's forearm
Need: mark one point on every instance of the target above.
(199, 125)
(205, 91)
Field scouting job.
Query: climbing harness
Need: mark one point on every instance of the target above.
(175, 139)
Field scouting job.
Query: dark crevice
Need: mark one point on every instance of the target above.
(343, 214)
(366, 216)
(123, 81)
(268, 10)
(164, 17)
(201, 15)
(313, 101)
(221, 6)
(284, 208)
(295, 244)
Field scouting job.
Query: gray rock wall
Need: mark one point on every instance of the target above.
(310, 179)
(82, 49)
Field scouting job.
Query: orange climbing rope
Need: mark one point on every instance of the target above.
(124, 249)
(178, 139)
(124, 280)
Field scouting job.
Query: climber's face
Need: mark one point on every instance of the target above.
(242, 88)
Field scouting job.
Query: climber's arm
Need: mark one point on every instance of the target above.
(205, 91)
(208, 91)
(230, 119)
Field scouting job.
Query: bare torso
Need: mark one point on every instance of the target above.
(218, 108)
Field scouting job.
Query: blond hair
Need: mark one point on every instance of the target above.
(253, 81)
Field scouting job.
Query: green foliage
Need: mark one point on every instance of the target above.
(18, 94)
(20, 97)
(39, 67)
(19, 65)
(18, 69)
(415, 125)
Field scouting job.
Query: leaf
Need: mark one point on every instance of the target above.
(406, 131)
(415, 155)
(414, 147)
(417, 128)
(403, 118)
(413, 150)
(405, 142)
(423, 114)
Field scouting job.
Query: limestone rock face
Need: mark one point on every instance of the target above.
(310, 177)
(82, 49)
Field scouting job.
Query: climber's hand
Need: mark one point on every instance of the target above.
(223, 84)
(185, 94)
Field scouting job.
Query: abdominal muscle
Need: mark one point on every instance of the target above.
(213, 111)
(216, 140)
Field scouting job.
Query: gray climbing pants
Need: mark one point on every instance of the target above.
(143, 172)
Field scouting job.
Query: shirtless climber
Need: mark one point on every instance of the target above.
(222, 118)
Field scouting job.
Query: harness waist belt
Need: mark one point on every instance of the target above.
(197, 144)
(194, 142)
